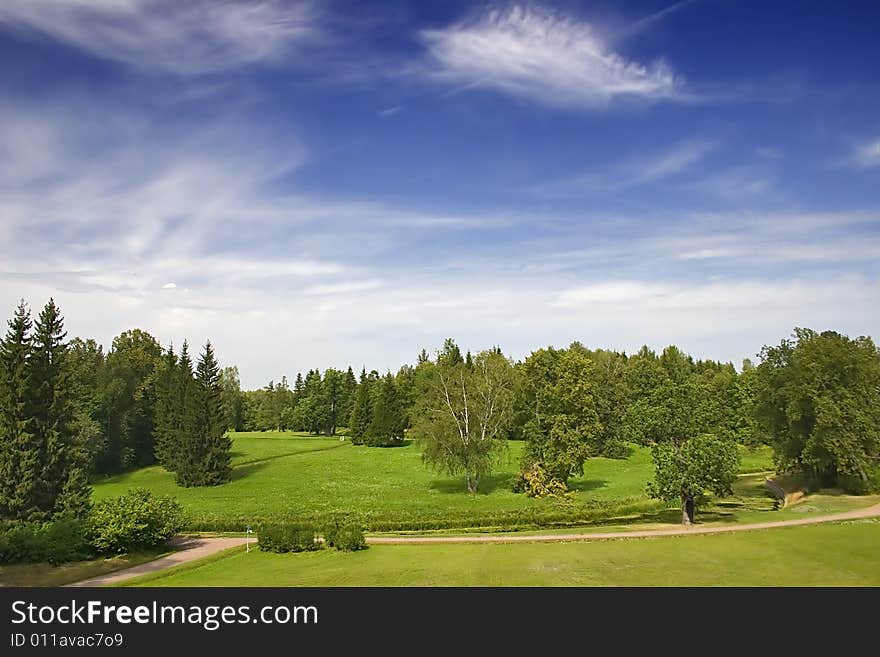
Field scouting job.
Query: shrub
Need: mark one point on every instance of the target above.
(531, 517)
(56, 542)
(287, 538)
(350, 537)
(535, 481)
(858, 486)
(138, 520)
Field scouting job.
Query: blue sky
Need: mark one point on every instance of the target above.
(314, 184)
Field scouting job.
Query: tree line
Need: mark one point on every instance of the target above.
(68, 412)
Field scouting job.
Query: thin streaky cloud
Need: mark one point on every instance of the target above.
(631, 173)
(194, 37)
(648, 21)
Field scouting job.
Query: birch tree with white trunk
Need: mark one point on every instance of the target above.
(464, 412)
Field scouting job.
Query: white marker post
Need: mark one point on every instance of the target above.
(247, 539)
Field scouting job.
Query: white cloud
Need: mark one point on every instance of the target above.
(169, 286)
(391, 111)
(283, 282)
(197, 36)
(345, 287)
(548, 58)
(867, 155)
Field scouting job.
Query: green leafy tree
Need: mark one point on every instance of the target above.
(685, 471)
(563, 428)
(818, 398)
(129, 400)
(85, 361)
(463, 413)
(232, 399)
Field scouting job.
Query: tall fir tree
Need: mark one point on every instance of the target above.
(361, 413)
(388, 421)
(19, 465)
(62, 458)
(207, 460)
(166, 429)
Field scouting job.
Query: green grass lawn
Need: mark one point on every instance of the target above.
(284, 475)
(842, 554)
(44, 574)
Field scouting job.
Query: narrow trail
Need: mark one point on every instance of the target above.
(190, 549)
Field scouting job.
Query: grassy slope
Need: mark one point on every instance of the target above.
(292, 475)
(823, 555)
(44, 574)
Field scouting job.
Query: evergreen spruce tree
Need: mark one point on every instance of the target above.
(217, 466)
(19, 466)
(349, 391)
(205, 449)
(388, 421)
(168, 411)
(62, 459)
(184, 453)
(361, 414)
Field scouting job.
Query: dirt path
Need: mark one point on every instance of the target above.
(188, 549)
(869, 512)
(191, 549)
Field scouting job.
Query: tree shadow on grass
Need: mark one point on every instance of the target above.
(488, 484)
(247, 469)
(587, 484)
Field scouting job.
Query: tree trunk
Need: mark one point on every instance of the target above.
(687, 508)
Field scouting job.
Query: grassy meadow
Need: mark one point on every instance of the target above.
(843, 554)
(293, 476)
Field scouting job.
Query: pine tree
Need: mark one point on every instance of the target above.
(206, 459)
(388, 421)
(361, 414)
(19, 467)
(62, 458)
(349, 391)
(184, 451)
(168, 411)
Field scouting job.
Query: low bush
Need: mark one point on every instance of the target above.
(350, 537)
(344, 533)
(287, 538)
(135, 521)
(57, 542)
(534, 481)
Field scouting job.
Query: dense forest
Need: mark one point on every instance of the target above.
(71, 411)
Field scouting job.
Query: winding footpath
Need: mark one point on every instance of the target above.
(190, 549)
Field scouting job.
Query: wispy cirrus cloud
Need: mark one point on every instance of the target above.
(546, 57)
(652, 19)
(633, 172)
(198, 36)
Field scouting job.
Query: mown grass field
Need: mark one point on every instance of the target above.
(293, 476)
(842, 554)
